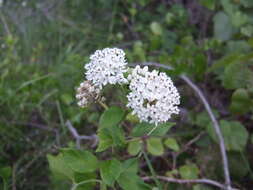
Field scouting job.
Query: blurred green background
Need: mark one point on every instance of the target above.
(44, 45)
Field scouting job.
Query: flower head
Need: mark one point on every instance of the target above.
(87, 93)
(106, 66)
(153, 96)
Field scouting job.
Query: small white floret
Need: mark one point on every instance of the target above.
(106, 66)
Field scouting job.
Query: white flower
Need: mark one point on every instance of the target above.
(153, 96)
(87, 93)
(106, 66)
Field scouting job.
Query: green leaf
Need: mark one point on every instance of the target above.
(172, 144)
(132, 11)
(172, 173)
(203, 119)
(59, 168)
(200, 64)
(239, 18)
(130, 165)
(201, 187)
(240, 46)
(132, 118)
(127, 181)
(111, 117)
(128, 178)
(105, 140)
(109, 133)
(67, 98)
(103, 186)
(237, 75)
(235, 135)
(5, 174)
(143, 129)
(134, 147)
(80, 177)
(156, 28)
(241, 102)
(169, 18)
(108, 137)
(204, 142)
(79, 160)
(110, 171)
(155, 42)
(223, 29)
(225, 61)
(229, 7)
(238, 157)
(139, 51)
(189, 171)
(247, 3)
(155, 146)
(210, 4)
(247, 30)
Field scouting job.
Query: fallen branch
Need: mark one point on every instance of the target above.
(211, 115)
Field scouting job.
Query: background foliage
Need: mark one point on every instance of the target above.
(44, 45)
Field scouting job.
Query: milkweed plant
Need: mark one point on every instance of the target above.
(151, 101)
(152, 95)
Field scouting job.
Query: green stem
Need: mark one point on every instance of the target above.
(83, 182)
(149, 133)
(152, 170)
(103, 105)
(133, 139)
(246, 163)
(59, 110)
(152, 130)
(5, 186)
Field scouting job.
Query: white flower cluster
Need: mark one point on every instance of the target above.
(153, 96)
(106, 66)
(87, 93)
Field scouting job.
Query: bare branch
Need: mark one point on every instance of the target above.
(211, 115)
(78, 137)
(185, 181)
(216, 128)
